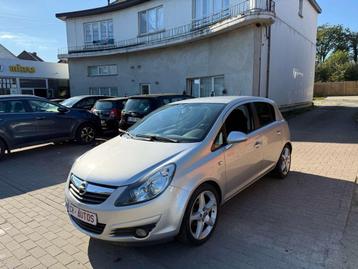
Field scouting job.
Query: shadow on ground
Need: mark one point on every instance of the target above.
(272, 224)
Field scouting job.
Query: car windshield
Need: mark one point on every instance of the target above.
(183, 123)
(71, 101)
(104, 105)
(139, 105)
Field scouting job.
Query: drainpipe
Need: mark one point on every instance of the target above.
(268, 60)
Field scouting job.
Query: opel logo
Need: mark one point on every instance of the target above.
(82, 189)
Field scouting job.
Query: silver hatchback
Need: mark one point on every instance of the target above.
(170, 173)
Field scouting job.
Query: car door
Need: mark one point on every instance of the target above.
(50, 123)
(243, 160)
(271, 132)
(17, 123)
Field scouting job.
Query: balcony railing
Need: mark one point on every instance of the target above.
(194, 29)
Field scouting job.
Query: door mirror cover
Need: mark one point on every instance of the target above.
(62, 110)
(236, 137)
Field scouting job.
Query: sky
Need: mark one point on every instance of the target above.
(31, 24)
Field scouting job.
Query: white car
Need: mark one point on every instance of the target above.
(170, 173)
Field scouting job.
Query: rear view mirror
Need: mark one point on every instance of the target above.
(62, 110)
(236, 137)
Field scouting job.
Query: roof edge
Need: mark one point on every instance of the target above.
(316, 6)
(99, 10)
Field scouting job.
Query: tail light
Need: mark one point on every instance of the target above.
(115, 113)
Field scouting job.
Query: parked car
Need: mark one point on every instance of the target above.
(168, 175)
(83, 101)
(58, 100)
(109, 111)
(30, 120)
(137, 107)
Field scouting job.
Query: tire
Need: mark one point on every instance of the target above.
(283, 165)
(85, 134)
(3, 149)
(198, 225)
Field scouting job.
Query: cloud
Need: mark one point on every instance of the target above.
(27, 41)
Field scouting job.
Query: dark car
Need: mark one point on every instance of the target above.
(109, 111)
(58, 100)
(31, 120)
(137, 107)
(83, 101)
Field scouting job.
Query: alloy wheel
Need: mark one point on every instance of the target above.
(285, 161)
(87, 134)
(203, 215)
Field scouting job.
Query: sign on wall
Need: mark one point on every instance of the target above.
(22, 69)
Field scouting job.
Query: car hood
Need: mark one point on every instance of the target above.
(123, 161)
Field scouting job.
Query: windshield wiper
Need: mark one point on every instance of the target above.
(159, 138)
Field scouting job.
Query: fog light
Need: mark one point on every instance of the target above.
(141, 233)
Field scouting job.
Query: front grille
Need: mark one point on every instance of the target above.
(98, 229)
(89, 193)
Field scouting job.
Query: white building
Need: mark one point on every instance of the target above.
(34, 77)
(203, 47)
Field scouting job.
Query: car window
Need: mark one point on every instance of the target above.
(86, 103)
(12, 106)
(138, 105)
(166, 100)
(42, 106)
(265, 113)
(219, 141)
(71, 101)
(104, 105)
(239, 120)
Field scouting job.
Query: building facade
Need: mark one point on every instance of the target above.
(33, 77)
(200, 47)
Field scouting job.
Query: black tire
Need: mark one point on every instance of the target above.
(3, 149)
(283, 165)
(85, 134)
(187, 226)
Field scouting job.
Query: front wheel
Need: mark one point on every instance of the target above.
(283, 165)
(85, 134)
(201, 216)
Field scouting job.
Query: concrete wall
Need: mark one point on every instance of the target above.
(293, 51)
(344, 88)
(167, 70)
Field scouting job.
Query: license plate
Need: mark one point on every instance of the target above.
(133, 119)
(81, 214)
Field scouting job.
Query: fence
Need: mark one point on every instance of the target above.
(344, 88)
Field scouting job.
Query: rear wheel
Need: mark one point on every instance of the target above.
(284, 163)
(3, 149)
(85, 134)
(201, 216)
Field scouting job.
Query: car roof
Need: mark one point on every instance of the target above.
(21, 96)
(224, 100)
(114, 99)
(156, 95)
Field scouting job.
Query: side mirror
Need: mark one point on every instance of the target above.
(236, 137)
(62, 109)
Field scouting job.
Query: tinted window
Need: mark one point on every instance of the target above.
(42, 106)
(105, 105)
(239, 120)
(87, 103)
(71, 101)
(265, 113)
(12, 106)
(142, 106)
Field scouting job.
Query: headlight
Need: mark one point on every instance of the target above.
(148, 188)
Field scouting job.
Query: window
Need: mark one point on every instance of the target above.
(41, 106)
(300, 8)
(145, 88)
(12, 107)
(239, 120)
(265, 113)
(151, 20)
(102, 70)
(98, 32)
(207, 86)
(109, 91)
(205, 8)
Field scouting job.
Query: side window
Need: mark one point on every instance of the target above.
(265, 113)
(166, 101)
(17, 106)
(219, 141)
(239, 120)
(86, 103)
(42, 106)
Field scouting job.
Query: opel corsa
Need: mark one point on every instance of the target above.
(170, 173)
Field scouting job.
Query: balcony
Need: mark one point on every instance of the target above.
(249, 11)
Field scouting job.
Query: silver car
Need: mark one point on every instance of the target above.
(170, 173)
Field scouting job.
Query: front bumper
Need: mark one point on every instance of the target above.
(163, 215)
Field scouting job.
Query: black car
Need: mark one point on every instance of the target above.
(139, 106)
(109, 111)
(31, 120)
(83, 101)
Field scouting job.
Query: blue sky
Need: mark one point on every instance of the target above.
(31, 24)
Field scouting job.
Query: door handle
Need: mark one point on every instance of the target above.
(40, 118)
(220, 163)
(278, 132)
(258, 144)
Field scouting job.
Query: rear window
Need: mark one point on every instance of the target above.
(105, 105)
(265, 113)
(139, 105)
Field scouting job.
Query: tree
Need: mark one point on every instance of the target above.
(330, 39)
(353, 45)
(334, 68)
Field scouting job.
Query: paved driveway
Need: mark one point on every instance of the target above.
(307, 221)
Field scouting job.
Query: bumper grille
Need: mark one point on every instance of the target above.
(132, 230)
(89, 193)
(98, 229)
